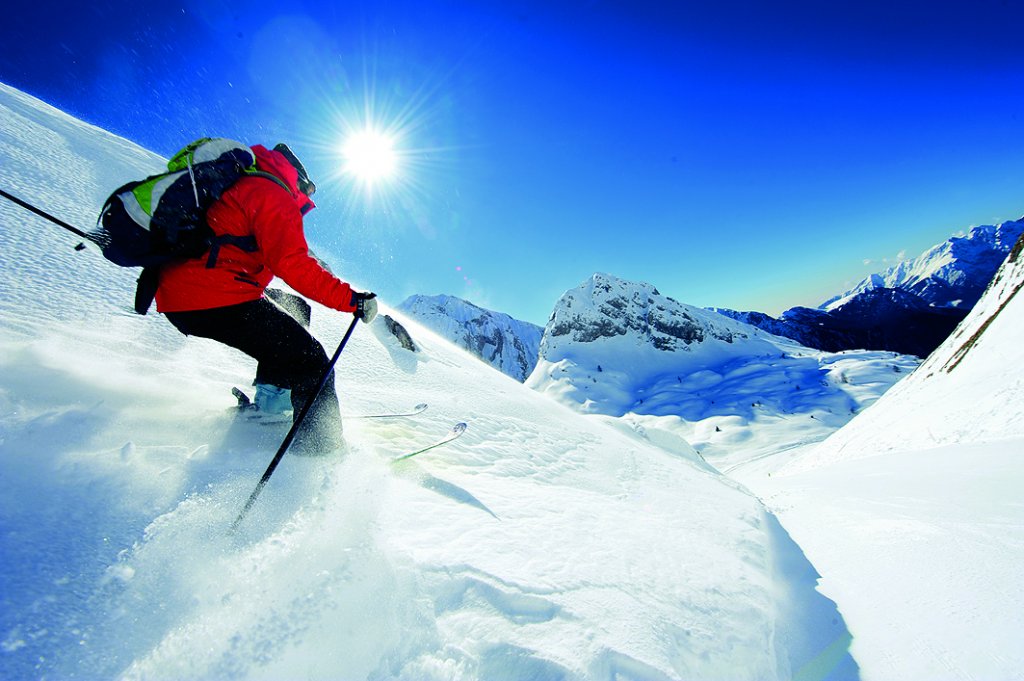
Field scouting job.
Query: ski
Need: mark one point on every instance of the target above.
(418, 409)
(245, 404)
(457, 430)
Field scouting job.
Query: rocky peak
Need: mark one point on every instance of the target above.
(605, 307)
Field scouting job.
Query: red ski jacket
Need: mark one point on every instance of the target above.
(261, 208)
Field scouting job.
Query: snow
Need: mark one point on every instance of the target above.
(913, 510)
(921, 550)
(542, 544)
(730, 390)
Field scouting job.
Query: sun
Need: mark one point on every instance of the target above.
(370, 156)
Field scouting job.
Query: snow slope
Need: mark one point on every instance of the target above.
(913, 510)
(540, 545)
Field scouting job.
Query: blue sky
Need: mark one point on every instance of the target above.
(735, 154)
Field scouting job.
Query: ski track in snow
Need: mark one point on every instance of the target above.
(541, 544)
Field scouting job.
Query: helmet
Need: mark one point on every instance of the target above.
(306, 185)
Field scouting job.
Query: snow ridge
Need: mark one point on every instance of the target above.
(507, 344)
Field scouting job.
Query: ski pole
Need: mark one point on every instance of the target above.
(44, 214)
(295, 426)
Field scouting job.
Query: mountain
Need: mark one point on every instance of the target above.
(911, 308)
(507, 344)
(540, 545)
(968, 386)
(924, 489)
(952, 274)
(623, 349)
(876, 319)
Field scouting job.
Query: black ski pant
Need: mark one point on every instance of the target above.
(287, 356)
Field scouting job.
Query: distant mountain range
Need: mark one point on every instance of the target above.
(952, 274)
(910, 308)
(875, 319)
(722, 381)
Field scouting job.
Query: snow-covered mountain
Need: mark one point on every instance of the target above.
(877, 319)
(924, 487)
(542, 544)
(621, 348)
(911, 308)
(952, 274)
(507, 344)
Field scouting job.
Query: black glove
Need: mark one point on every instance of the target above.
(366, 306)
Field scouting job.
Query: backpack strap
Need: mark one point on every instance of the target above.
(246, 243)
(270, 176)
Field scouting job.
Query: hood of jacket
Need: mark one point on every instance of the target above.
(274, 162)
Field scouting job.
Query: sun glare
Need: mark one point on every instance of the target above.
(370, 156)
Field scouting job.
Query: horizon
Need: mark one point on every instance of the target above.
(743, 157)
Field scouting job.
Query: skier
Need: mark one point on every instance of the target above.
(221, 295)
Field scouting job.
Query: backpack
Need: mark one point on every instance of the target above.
(151, 222)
